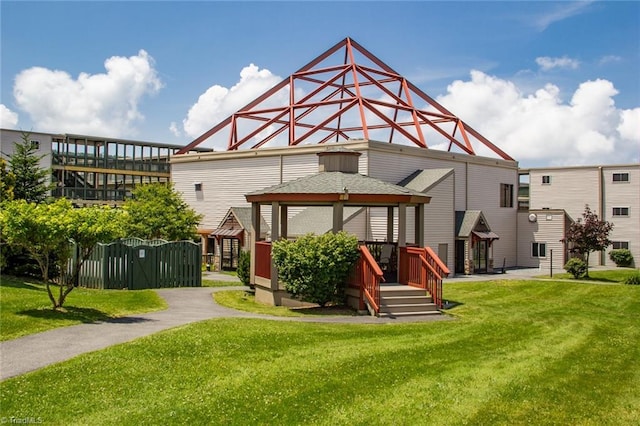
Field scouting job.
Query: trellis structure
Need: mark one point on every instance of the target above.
(135, 264)
(346, 93)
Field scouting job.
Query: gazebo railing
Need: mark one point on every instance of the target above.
(367, 276)
(263, 259)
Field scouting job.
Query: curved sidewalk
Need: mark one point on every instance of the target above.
(186, 305)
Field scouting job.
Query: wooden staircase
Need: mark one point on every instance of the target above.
(399, 300)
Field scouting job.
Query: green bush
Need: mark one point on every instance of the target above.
(244, 268)
(576, 267)
(633, 279)
(315, 268)
(621, 257)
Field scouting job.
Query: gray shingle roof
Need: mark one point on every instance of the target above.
(424, 180)
(337, 183)
(243, 215)
(468, 221)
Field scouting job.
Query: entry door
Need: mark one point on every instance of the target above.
(480, 256)
(459, 256)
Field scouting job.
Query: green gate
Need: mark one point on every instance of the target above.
(136, 264)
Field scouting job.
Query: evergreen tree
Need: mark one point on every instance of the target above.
(30, 179)
(7, 182)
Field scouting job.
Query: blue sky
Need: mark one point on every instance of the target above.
(573, 64)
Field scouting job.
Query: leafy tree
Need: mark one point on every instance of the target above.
(588, 234)
(315, 268)
(46, 232)
(30, 179)
(157, 211)
(7, 181)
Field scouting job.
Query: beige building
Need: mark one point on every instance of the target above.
(213, 182)
(611, 191)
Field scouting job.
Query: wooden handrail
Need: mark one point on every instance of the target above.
(437, 261)
(425, 270)
(371, 275)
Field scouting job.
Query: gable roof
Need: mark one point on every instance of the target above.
(243, 217)
(345, 93)
(473, 221)
(425, 180)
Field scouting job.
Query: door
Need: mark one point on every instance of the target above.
(480, 256)
(459, 256)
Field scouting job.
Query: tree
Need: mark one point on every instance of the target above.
(7, 181)
(315, 267)
(30, 179)
(47, 232)
(157, 211)
(588, 234)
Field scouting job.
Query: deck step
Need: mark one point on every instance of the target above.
(397, 300)
(406, 307)
(408, 314)
(400, 300)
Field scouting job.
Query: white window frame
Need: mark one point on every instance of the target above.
(619, 244)
(621, 175)
(621, 212)
(535, 249)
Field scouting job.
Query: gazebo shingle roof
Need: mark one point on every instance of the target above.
(338, 183)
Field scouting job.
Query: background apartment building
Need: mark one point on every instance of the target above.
(557, 195)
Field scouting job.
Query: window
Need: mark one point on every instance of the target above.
(35, 144)
(620, 245)
(506, 195)
(538, 249)
(546, 180)
(621, 177)
(621, 211)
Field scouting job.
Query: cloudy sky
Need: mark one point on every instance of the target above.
(550, 83)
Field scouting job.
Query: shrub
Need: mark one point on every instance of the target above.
(576, 267)
(314, 268)
(244, 268)
(633, 279)
(621, 257)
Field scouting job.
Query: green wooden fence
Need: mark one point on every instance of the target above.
(136, 264)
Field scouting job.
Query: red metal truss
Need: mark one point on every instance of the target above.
(347, 100)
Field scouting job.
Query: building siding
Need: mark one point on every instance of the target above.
(548, 228)
(439, 227)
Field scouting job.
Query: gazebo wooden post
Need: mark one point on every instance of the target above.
(255, 236)
(419, 221)
(284, 221)
(275, 236)
(338, 217)
(402, 230)
(390, 224)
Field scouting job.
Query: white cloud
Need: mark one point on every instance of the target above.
(609, 58)
(547, 63)
(103, 104)
(8, 118)
(218, 102)
(539, 129)
(173, 128)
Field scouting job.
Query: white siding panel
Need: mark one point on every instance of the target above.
(570, 189)
(623, 194)
(297, 166)
(439, 227)
(549, 229)
(224, 184)
(484, 194)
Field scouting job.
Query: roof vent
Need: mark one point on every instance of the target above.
(338, 160)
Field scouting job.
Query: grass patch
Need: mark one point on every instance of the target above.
(618, 275)
(520, 352)
(25, 307)
(245, 301)
(220, 283)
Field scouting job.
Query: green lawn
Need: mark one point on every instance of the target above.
(25, 307)
(519, 352)
(617, 275)
(220, 283)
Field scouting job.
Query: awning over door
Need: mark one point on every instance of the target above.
(226, 232)
(486, 235)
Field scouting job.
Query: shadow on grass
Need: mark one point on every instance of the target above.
(70, 313)
(20, 283)
(326, 310)
(450, 304)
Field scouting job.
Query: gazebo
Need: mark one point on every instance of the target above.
(337, 184)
